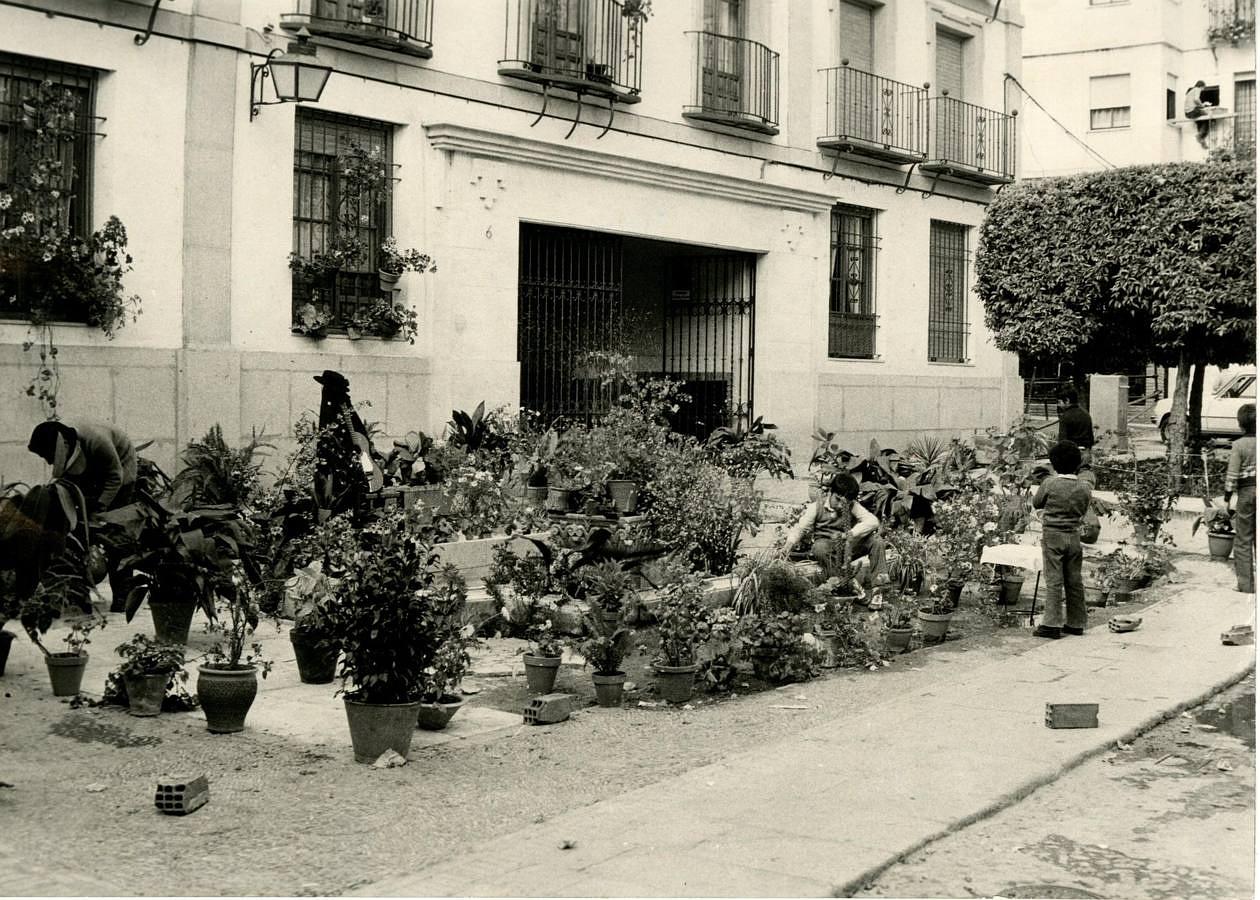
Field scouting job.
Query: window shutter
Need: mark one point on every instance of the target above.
(949, 64)
(1108, 91)
(857, 36)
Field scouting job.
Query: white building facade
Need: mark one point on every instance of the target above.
(1116, 74)
(781, 215)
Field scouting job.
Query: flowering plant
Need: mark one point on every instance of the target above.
(387, 319)
(479, 505)
(543, 640)
(394, 261)
(682, 620)
(451, 662)
(966, 523)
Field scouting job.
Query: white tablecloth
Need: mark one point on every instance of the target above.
(1023, 556)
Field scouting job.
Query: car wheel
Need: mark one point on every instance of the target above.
(1163, 429)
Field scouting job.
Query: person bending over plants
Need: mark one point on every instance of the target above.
(834, 517)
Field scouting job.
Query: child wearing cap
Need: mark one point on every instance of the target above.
(1064, 498)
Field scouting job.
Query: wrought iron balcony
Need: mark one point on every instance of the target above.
(869, 115)
(851, 336)
(402, 25)
(1231, 21)
(970, 142)
(586, 46)
(734, 81)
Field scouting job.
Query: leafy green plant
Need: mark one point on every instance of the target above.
(607, 585)
(143, 655)
(682, 620)
(773, 643)
(1216, 519)
(236, 622)
(838, 623)
(603, 651)
(476, 432)
(899, 614)
(745, 450)
(395, 261)
(312, 319)
(544, 641)
(387, 319)
(1147, 500)
(451, 662)
(215, 473)
(388, 611)
(479, 503)
(907, 557)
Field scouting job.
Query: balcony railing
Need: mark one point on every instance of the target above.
(588, 46)
(851, 336)
(969, 141)
(402, 25)
(869, 115)
(734, 81)
(1231, 21)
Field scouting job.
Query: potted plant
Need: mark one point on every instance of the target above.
(1012, 584)
(898, 627)
(1220, 530)
(536, 466)
(387, 615)
(774, 642)
(66, 667)
(314, 645)
(604, 651)
(935, 615)
(907, 559)
(606, 586)
(393, 262)
(183, 560)
(312, 320)
(227, 681)
(682, 626)
(542, 658)
(439, 683)
(1147, 501)
(747, 449)
(147, 669)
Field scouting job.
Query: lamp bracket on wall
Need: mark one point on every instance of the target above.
(142, 39)
(909, 172)
(258, 73)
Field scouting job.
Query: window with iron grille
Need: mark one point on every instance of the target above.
(26, 85)
(324, 213)
(947, 293)
(851, 308)
(1245, 119)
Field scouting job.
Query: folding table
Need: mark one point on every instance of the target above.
(1021, 556)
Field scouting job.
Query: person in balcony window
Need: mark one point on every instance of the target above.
(1196, 108)
(821, 525)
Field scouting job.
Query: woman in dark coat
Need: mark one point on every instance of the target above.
(344, 468)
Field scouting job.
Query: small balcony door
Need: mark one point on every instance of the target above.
(723, 61)
(558, 36)
(950, 50)
(860, 106)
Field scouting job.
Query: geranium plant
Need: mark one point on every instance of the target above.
(544, 641)
(394, 261)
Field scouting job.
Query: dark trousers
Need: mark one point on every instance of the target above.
(871, 545)
(1245, 538)
(1061, 559)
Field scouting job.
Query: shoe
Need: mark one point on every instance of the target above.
(1047, 631)
(1072, 629)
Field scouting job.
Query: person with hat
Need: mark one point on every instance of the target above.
(100, 461)
(345, 466)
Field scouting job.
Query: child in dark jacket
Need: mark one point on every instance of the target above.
(1065, 498)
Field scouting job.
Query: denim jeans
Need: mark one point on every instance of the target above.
(1245, 538)
(1061, 563)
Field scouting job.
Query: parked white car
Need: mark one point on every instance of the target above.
(1220, 409)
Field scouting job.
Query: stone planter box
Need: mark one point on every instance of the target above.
(473, 558)
(629, 535)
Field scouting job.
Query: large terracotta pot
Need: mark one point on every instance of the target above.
(377, 727)
(609, 688)
(145, 693)
(675, 683)
(65, 672)
(540, 673)
(934, 625)
(436, 716)
(172, 620)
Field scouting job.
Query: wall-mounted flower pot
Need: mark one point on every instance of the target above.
(145, 693)
(172, 620)
(389, 281)
(540, 673)
(1220, 545)
(65, 672)
(625, 495)
(436, 716)
(226, 696)
(609, 689)
(675, 683)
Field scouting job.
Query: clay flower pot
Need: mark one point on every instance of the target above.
(609, 688)
(226, 696)
(377, 727)
(145, 693)
(675, 683)
(436, 716)
(540, 673)
(65, 672)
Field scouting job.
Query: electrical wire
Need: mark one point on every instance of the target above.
(1066, 130)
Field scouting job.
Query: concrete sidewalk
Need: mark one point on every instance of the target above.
(821, 813)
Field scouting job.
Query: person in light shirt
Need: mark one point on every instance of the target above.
(823, 526)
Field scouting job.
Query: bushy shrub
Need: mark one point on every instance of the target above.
(774, 645)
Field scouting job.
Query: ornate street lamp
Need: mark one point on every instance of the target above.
(295, 75)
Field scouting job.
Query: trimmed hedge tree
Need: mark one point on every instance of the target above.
(1123, 267)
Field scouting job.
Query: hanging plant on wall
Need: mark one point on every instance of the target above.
(47, 272)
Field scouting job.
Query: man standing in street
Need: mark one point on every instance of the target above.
(1075, 425)
(1240, 478)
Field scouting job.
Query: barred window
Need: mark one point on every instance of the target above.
(852, 319)
(327, 215)
(39, 98)
(947, 293)
(1245, 119)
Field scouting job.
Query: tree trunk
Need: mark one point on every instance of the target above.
(1177, 421)
(1194, 414)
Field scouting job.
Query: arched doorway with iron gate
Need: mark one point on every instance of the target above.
(662, 308)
